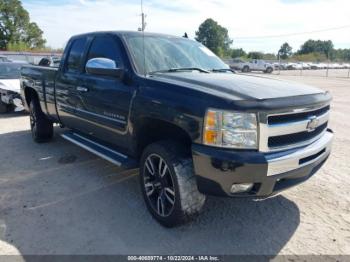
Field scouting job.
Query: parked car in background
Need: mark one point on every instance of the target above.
(305, 66)
(260, 65)
(238, 64)
(279, 66)
(253, 65)
(4, 59)
(50, 61)
(10, 98)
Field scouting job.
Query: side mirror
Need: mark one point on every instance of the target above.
(103, 67)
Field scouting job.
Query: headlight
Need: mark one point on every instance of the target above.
(230, 129)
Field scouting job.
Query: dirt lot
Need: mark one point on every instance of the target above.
(56, 198)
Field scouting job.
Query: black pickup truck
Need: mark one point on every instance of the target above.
(168, 107)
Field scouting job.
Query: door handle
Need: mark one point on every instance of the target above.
(82, 89)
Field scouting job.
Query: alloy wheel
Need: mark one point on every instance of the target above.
(159, 185)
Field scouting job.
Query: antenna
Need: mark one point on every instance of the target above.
(143, 27)
(143, 19)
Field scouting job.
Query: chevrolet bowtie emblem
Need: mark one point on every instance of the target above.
(312, 124)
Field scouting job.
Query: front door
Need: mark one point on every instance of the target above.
(68, 80)
(105, 99)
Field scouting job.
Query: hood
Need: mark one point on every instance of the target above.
(10, 85)
(238, 87)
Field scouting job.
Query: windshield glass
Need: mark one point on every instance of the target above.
(10, 71)
(166, 52)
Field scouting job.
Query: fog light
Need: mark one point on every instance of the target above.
(241, 188)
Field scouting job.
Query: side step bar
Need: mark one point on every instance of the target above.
(102, 151)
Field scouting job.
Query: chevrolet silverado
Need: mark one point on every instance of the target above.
(169, 108)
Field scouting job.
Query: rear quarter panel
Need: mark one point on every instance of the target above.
(42, 81)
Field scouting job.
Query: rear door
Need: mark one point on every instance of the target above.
(106, 99)
(68, 81)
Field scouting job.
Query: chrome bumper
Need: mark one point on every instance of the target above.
(318, 150)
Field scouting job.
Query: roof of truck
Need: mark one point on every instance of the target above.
(125, 33)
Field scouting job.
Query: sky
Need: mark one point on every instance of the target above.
(254, 25)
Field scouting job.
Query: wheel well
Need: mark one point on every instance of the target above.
(153, 130)
(30, 94)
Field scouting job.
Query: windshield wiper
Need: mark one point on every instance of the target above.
(171, 70)
(222, 70)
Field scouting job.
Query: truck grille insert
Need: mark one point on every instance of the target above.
(280, 119)
(292, 139)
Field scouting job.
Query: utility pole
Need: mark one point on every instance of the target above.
(279, 62)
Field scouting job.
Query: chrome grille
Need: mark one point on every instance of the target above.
(291, 128)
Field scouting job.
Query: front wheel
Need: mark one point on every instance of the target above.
(168, 184)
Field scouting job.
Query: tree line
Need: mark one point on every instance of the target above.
(216, 38)
(16, 30)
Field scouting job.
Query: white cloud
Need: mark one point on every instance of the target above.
(242, 18)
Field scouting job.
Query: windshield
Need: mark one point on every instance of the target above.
(10, 71)
(165, 52)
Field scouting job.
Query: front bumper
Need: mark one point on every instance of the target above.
(12, 98)
(218, 169)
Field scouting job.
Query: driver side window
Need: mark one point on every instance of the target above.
(105, 47)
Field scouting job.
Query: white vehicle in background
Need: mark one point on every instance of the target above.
(305, 66)
(10, 98)
(253, 65)
(260, 65)
(4, 59)
(294, 66)
(280, 66)
(322, 66)
(238, 64)
(313, 66)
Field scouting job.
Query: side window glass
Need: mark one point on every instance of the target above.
(75, 55)
(105, 47)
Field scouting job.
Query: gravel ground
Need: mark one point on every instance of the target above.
(59, 199)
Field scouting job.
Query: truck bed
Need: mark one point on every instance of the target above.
(42, 80)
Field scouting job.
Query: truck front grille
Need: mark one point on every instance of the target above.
(292, 128)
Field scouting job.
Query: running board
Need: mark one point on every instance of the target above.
(102, 151)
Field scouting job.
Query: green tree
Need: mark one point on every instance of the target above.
(239, 52)
(255, 55)
(16, 28)
(269, 56)
(317, 46)
(285, 51)
(215, 37)
(342, 54)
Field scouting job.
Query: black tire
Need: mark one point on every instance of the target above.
(177, 188)
(245, 69)
(41, 126)
(4, 108)
(269, 70)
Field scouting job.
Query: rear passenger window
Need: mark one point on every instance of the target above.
(105, 47)
(76, 55)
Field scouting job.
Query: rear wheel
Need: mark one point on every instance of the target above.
(40, 125)
(168, 184)
(269, 70)
(245, 69)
